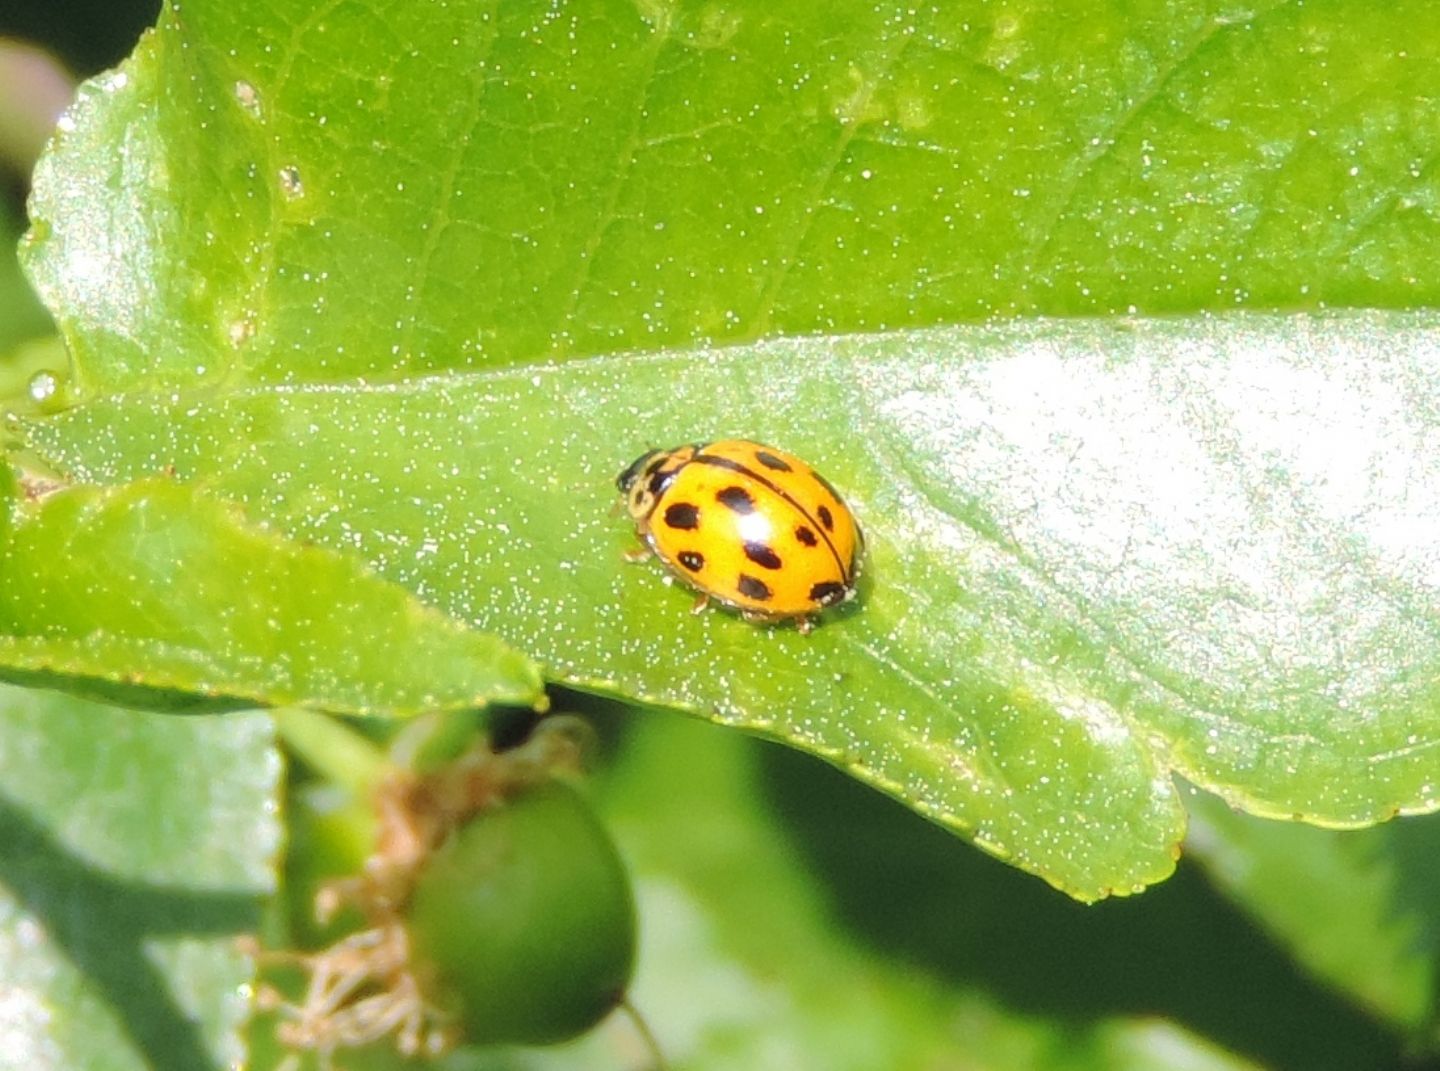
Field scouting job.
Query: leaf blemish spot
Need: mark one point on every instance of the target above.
(240, 331)
(290, 183)
(248, 97)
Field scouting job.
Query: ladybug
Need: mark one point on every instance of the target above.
(750, 526)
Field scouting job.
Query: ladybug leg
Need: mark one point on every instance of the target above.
(804, 625)
(701, 601)
(642, 551)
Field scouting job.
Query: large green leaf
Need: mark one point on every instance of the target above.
(295, 191)
(134, 849)
(1099, 553)
(160, 591)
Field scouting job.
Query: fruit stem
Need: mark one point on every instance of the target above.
(430, 741)
(647, 1036)
(332, 749)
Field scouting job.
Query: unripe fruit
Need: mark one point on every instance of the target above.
(525, 921)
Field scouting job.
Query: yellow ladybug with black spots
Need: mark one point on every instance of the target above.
(747, 525)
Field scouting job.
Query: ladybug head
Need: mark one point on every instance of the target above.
(645, 480)
(626, 479)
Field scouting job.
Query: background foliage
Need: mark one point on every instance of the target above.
(342, 286)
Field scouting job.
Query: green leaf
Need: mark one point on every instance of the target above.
(1100, 553)
(313, 193)
(136, 848)
(297, 253)
(1358, 909)
(162, 588)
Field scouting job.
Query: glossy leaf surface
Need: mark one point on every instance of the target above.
(382, 188)
(1098, 553)
(322, 274)
(153, 587)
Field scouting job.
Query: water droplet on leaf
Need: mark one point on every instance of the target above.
(43, 387)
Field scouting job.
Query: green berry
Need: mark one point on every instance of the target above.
(527, 920)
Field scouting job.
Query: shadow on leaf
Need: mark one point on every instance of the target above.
(66, 896)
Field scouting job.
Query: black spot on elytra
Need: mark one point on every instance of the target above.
(828, 521)
(737, 499)
(770, 461)
(762, 555)
(682, 515)
(753, 587)
(826, 592)
(692, 560)
(805, 536)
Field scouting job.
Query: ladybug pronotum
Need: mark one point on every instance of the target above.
(747, 525)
